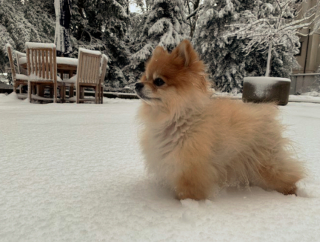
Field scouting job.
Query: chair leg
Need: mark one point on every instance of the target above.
(29, 90)
(97, 95)
(71, 91)
(101, 96)
(82, 92)
(78, 93)
(62, 92)
(55, 93)
(41, 90)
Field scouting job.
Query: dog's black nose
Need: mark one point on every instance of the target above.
(139, 86)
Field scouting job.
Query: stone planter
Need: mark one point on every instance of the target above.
(266, 89)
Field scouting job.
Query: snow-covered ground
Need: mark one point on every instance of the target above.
(73, 172)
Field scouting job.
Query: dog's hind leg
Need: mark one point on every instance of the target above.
(281, 176)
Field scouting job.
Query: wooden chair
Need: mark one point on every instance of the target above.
(104, 62)
(18, 79)
(42, 70)
(88, 74)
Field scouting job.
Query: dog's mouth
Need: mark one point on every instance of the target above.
(144, 97)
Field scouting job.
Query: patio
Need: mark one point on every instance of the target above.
(42, 71)
(75, 173)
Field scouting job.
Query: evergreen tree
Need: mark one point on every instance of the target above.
(226, 57)
(102, 25)
(193, 6)
(164, 26)
(20, 23)
(316, 10)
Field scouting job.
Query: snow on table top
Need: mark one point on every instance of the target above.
(75, 173)
(39, 45)
(60, 60)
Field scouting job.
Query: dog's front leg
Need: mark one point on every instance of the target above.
(197, 176)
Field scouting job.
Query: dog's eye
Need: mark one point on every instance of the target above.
(158, 82)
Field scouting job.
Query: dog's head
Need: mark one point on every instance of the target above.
(171, 79)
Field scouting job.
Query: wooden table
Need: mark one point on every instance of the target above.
(65, 65)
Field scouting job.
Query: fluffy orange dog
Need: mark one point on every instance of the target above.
(194, 142)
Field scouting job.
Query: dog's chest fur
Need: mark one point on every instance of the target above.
(163, 143)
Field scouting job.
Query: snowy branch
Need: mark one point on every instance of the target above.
(195, 12)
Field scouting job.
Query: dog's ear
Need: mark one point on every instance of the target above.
(159, 50)
(186, 52)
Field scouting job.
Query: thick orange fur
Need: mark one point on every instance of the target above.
(195, 143)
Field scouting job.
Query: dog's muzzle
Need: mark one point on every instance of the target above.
(139, 86)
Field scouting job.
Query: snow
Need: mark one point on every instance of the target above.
(7, 46)
(104, 57)
(39, 45)
(73, 79)
(92, 52)
(18, 53)
(60, 60)
(22, 77)
(67, 61)
(262, 84)
(75, 173)
(34, 77)
(304, 98)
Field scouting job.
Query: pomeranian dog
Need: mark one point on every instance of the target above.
(195, 143)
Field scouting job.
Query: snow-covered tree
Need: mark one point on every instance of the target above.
(102, 25)
(20, 23)
(226, 57)
(135, 27)
(277, 29)
(316, 10)
(192, 6)
(164, 26)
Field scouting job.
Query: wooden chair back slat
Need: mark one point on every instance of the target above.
(51, 60)
(43, 65)
(32, 61)
(13, 71)
(47, 64)
(54, 64)
(36, 69)
(28, 61)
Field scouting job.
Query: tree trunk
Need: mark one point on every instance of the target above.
(193, 20)
(269, 59)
